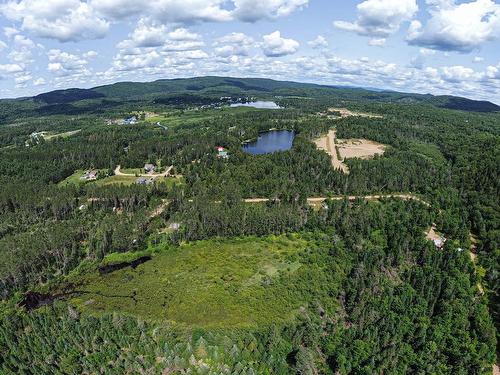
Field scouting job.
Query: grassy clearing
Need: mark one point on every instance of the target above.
(429, 151)
(116, 180)
(133, 171)
(48, 136)
(73, 179)
(130, 180)
(217, 283)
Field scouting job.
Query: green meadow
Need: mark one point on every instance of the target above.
(245, 282)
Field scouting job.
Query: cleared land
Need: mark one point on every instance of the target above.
(48, 136)
(344, 112)
(350, 148)
(327, 144)
(359, 148)
(137, 173)
(230, 283)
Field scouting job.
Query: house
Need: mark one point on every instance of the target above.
(174, 226)
(439, 242)
(90, 175)
(149, 168)
(144, 181)
(129, 121)
(222, 153)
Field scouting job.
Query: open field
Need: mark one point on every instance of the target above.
(48, 136)
(116, 180)
(231, 283)
(359, 148)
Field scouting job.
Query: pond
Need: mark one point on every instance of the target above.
(271, 141)
(258, 104)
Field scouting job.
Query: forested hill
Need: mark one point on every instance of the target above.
(206, 90)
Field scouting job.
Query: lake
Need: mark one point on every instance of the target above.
(271, 141)
(258, 104)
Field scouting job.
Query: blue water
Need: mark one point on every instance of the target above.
(258, 104)
(271, 141)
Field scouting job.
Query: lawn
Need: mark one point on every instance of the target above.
(243, 282)
(133, 171)
(130, 180)
(73, 179)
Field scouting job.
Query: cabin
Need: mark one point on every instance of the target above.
(149, 168)
(174, 226)
(144, 181)
(90, 175)
(439, 242)
(222, 153)
(129, 121)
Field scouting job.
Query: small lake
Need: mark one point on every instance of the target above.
(258, 104)
(271, 141)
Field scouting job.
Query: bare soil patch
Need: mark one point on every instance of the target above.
(344, 112)
(359, 148)
(341, 149)
(432, 234)
(327, 144)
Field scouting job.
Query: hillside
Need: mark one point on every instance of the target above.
(206, 90)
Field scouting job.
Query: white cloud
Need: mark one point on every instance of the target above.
(380, 17)
(274, 45)
(11, 68)
(64, 20)
(184, 11)
(3, 45)
(21, 49)
(458, 74)
(234, 44)
(39, 82)
(194, 55)
(254, 10)
(10, 31)
(130, 62)
(90, 54)
(477, 59)
(183, 35)
(493, 72)
(319, 42)
(147, 35)
(377, 42)
(457, 27)
(66, 64)
(22, 79)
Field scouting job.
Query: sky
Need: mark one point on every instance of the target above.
(425, 46)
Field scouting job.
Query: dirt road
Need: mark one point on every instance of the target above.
(327, 144)
(118, 172)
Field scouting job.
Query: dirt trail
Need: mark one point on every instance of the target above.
(118, 172)
(327, 144)
(316, 200)
(160, 209)
(313, 200)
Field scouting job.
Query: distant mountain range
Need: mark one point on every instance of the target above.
(202, 90)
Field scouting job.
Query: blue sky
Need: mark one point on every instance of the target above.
(426, 46)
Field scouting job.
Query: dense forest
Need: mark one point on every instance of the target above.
(366, 293)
